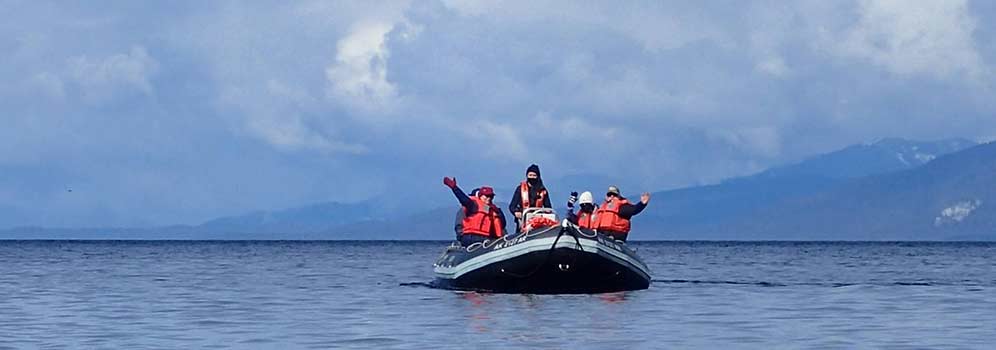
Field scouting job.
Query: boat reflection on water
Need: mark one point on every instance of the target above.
(479, 318)
(613, 298)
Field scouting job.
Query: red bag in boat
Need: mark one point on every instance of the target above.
(539, 221)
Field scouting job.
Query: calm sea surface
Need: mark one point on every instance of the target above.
(297, 295)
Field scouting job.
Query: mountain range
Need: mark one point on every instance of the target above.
(890, 189)
(951, 197)
(729, 210)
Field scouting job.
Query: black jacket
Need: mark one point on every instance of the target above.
(626, 211)
(516, 204)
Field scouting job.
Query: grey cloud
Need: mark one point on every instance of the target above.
(99, 79)
(778, 71)
(926, 37)
(220, 107)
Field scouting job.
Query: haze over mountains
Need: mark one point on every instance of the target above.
(891, 189)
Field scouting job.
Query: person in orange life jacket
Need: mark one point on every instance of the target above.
(483, 220)
(529, 194)
(585, 217)
(460, 215)
(612, 218)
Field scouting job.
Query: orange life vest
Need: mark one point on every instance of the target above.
(607, 217)
(482, 221)
(586, 219)
(524, 193)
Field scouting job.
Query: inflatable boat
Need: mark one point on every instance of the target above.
(557, 259)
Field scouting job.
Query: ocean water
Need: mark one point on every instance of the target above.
(374, 295)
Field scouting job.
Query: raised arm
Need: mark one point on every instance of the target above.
(628, 211)
(465, 201)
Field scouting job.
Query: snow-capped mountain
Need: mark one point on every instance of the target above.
(686, 213)
(884, 155)
(950, 197)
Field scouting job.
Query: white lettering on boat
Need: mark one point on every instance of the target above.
(507, 241)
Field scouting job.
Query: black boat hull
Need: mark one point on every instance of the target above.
(555, 260)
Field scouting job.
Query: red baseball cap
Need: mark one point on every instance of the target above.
(486, 191)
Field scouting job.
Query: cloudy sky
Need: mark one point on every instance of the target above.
(177, 112)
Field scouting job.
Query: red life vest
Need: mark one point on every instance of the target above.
(607, 217)
(586, 219)
(524, 194)
(482, 221)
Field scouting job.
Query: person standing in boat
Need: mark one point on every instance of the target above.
(482, 219)
(612, 218)
(529, 194)
(585, 217)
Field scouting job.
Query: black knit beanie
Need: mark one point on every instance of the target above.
(535, 169)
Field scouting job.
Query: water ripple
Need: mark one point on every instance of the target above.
(63, 294)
